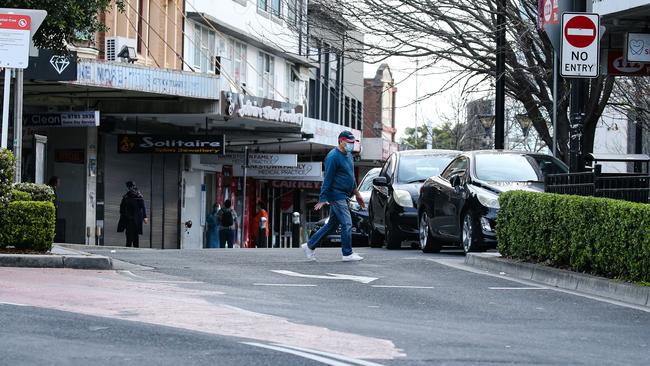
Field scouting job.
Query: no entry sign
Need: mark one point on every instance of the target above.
(580, 45)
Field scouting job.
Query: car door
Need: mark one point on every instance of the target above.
(381, 195)
(446, 199)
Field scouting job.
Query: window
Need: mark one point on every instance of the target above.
(313, 49)
(276, 8)
(291, 87)
(507, 168)
(414, 168)
(458, 165)
(294, 9)
(261, 4)
(238, 57)
(265, 81)
(359, 117)
(334, 104)
(313, 98)
(139, 26)
(204, 48)
(270, 6)
(346, 112)
(353, 112)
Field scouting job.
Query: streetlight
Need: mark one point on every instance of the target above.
(487, 121)
(525, 122)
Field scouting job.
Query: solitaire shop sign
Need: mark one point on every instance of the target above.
(580, 45)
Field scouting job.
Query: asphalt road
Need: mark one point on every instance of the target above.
(395, 307)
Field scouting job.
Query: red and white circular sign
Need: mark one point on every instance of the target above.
(580, 31)
(548, 10)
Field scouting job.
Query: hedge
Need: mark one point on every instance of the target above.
(38, 192)
(17, 195)
(28, 225)
(600, 236)
(6, 175)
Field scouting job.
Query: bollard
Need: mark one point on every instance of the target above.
(295, 230)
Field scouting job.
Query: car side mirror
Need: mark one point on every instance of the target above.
(455, 181)
(380, 182)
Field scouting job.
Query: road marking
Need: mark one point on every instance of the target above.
(330, 276)
(517, 288)
(332, 355)
(463, 267)
(390, 286)
(131, 274)
(283, 284)
(306, 355)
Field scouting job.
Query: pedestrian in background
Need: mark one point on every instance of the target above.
(132, 215)
(260, 234)
(227, 219)
(338, 185)
(213, 227)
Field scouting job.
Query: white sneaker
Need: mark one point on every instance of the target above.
(309, 253)
(354, 257)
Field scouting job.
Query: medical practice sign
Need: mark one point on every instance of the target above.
(14, 40)
(580, 45)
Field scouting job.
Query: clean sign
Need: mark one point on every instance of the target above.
(14, 40)
(638, 47)
(580, 45)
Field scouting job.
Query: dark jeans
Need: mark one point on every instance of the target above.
(132, 236)
(339, 215)
(227, 237)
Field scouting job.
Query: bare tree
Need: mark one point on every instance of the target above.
(457, 37)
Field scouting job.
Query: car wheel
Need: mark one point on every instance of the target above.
(472, 239)
(427, 243)
(392, 241)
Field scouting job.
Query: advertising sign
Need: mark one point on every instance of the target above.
(254, 159)
(15, 36)
(638, 47)
(549, 13)
(293, 184)
(616, 65)
(51, 66)
(580, 45)
(162, 144)
(247, 106)
(312, 171)
(64, 119)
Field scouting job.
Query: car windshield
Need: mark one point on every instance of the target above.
(366, 183)
(415, 168)
(507, 168)
(550, 165)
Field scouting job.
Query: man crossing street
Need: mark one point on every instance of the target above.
(338, 185)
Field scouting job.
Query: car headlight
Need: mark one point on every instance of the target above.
(402, 198)
(486, 198)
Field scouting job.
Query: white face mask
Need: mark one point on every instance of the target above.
(349, 147)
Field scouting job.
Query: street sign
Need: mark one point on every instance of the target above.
(580, 45)
(14, 40)
(638, 47)
(548, 13)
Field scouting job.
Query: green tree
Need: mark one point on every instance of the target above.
(413, 141)
(66, 19)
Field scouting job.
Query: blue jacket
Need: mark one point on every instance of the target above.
(339, 182)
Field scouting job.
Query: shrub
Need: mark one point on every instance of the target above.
(28, 225)
(6, 175)
(38, 192)
(595, 235)
(17, 195)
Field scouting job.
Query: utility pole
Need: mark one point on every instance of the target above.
(500, 100)
(579, 89)
(417, 101)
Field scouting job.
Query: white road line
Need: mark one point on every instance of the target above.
(12, 303)
(464, 267)
(518, 288)
(131, 274)
(395, 286)
(283, 284)
(330, 276)
(306, 355)
(332, 355)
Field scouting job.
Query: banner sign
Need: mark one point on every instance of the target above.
(254, 159)
(616, 65)
(63, 119)
(246, 106)
(164, 144)
(50, 66)
(303, 171)
(293, 184)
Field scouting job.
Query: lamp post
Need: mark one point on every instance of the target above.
(525, 122)
(487, 121)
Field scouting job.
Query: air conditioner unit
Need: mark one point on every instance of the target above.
(114, 45)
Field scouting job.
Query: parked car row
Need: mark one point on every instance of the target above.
(435, 198)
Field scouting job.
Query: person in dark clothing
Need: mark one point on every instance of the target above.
(132, 215)
(227, 219)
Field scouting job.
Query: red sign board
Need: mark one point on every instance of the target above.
(549, 13)
(15, 21)
(616, 65)
(580, 31)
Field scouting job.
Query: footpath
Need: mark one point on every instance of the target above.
(59, 257)
(592, 285)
